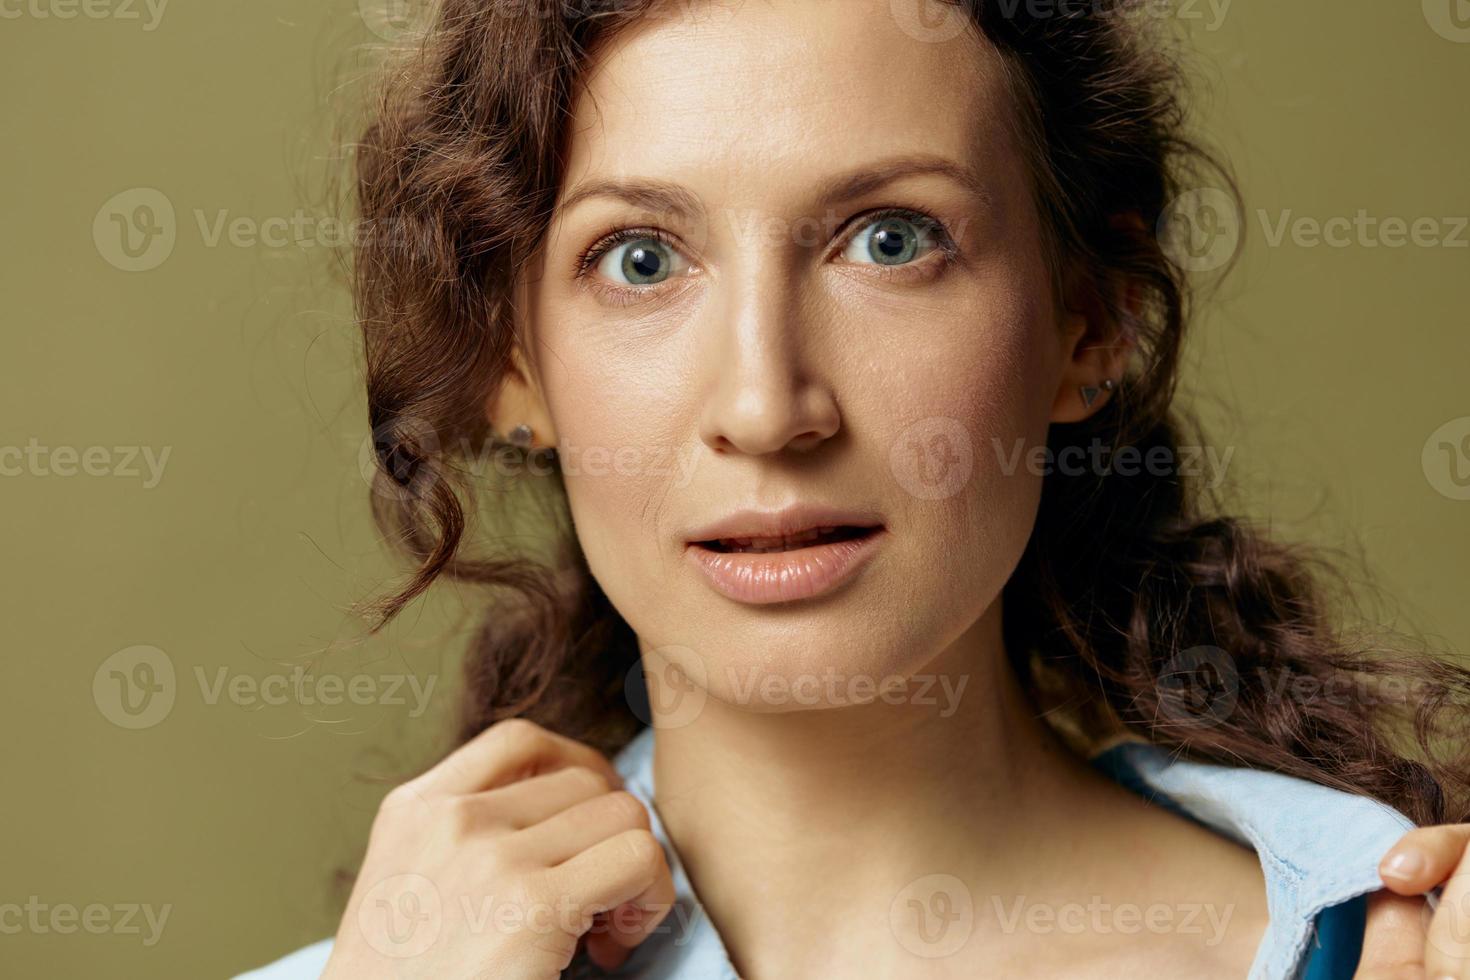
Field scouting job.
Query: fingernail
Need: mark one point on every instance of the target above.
(1405, 865)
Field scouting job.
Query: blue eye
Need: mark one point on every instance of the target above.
(631, 261)
(892, 240)
(640, 261)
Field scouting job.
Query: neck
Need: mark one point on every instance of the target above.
(790, 822)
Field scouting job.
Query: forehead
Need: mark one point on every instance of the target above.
(734, 97)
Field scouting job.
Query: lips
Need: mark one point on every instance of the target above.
(784, 556)
(829, 534)
(790, 524)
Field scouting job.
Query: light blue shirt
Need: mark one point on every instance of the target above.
(1318, 847)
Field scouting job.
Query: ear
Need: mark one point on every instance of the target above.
(518, 400)
(1096, 352)
(1096, 347)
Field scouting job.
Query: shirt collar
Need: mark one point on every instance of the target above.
(685, 945)
(1318, 847)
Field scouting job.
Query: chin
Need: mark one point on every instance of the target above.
(838, 664)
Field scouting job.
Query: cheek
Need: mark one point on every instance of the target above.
(624, 451)
(975, 400)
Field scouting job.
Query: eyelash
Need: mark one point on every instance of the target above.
(945, 247)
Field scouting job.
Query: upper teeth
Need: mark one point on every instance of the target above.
(811, 534)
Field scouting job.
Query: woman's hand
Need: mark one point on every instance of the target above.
(496, 862)
(1403, 938)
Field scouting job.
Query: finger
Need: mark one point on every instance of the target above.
(1448, 951)
(611, 872)
(508, 751)
(1394, 938)
(1424, 857)
(567, 834)
(617, 932)
(630, 923)
(531, 801)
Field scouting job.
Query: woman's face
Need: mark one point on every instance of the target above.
(787, 344)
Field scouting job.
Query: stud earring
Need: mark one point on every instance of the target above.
(1089, 392)
(521, 435)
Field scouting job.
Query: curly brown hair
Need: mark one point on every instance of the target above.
(1132, 588)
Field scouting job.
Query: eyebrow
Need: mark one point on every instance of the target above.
(666, 197)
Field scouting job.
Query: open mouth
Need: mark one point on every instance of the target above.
(812, 537)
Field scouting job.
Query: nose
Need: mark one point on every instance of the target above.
(764, 391)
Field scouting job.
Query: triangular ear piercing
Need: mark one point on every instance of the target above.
(522, 436)
(1089, 392)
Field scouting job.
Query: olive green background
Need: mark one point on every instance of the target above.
(1325, 369)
